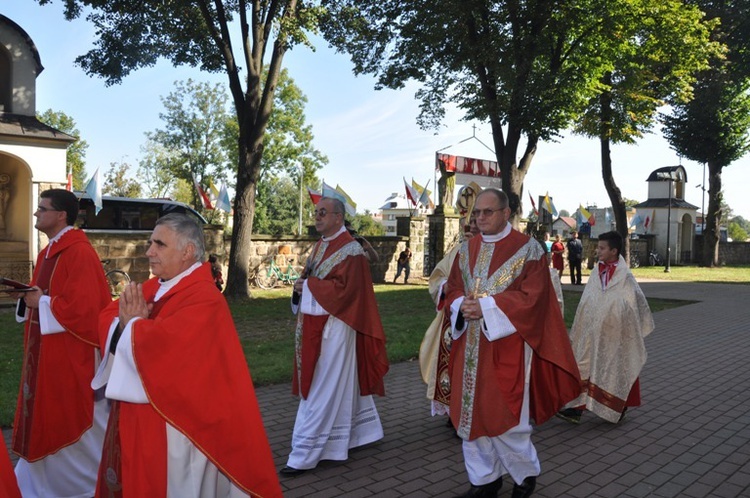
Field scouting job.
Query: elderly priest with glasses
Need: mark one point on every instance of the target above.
(511, 359)
(340, 358)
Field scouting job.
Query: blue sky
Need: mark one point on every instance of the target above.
(370, 137)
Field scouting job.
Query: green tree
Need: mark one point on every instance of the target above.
(155, 170)
(736, 232)
(713, 127)
(525, 67)
(118, 183)
(195, 117)
(366, 225)
(657, 50)
(564, 212)
(277, 206)
(132, 35)
(287, 147)
(76, 154)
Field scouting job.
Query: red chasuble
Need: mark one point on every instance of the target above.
(55, 400)
(195, 375)
(522, 289)
(8, 484)
(345, 291)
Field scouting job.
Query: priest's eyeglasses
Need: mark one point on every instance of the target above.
(322, 212)
(487, 212)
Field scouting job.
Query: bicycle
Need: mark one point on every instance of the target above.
(268, 277)
(116, 279)
(635, 259)
(654, 259)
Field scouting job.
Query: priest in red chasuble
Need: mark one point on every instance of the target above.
(511, 359)
(60, 420)
(608, 332)
(185, 420)
(340, 357)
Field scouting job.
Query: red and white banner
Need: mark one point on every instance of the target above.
(467, 165)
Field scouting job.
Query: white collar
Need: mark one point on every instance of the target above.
(166, 285)
(341, 230)
(491, 239)
(57, 237)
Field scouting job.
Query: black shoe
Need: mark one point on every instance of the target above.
(524, 489)
(570, 415)
(485, 491)
(291, 472)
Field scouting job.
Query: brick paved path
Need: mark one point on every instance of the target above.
(689, 439)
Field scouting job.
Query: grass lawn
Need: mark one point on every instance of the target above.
(721, 274)
(266, 329)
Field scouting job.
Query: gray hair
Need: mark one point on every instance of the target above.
(187, 230)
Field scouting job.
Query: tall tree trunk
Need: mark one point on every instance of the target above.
(613, 191)
(713, 217)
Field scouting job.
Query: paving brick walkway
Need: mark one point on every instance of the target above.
(691, 438)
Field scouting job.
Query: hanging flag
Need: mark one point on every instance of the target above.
(335, 193)
(424, 194)
(222, 202)
(69, 184)
(314, 196)
(607, 217)
(94, 189)
(649, 221)
(635, 221)
(580, 218)
(586, 215)
(213, 192)
(202, 195)
(533, 205)
(411, 193)
(549, 206)
(349, 204)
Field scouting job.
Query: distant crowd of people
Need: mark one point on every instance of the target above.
(150, 394)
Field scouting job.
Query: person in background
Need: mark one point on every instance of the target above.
(340, 358)
(575, 258)
(611, 322)
(185, 421)
(434, 352)
(403, 263)
(216, 273)
(558, 262)
(60, 421)
(370, 253)
(511, 359)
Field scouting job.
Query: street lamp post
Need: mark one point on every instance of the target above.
(669, 223)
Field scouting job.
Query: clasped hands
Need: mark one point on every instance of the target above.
(471, 308)
(133, 304)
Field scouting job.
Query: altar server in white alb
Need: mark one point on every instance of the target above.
(608, 332)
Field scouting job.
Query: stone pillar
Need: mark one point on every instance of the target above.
(444, 233)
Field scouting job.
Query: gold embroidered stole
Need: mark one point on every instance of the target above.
(479, 280)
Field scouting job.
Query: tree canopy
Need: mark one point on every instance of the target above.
(713, 127)
(200, 33)
(527, 68)
(654, 59)
(118, 183)
(76, 154)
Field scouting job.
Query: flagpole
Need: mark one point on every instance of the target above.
(299, 232)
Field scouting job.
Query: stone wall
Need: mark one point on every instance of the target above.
(730, 253)
(127, 250)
